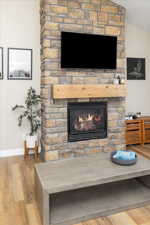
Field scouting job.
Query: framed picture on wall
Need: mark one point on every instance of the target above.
(19, 64)
(1, 63)
(135, 68)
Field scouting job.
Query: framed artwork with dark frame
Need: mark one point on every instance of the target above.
(19, 64)
(136, 68)
(1, 63)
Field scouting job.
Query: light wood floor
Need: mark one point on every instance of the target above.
(141, 149)
(17, 201)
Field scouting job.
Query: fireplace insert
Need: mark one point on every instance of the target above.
(87, 121)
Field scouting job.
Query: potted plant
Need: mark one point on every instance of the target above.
(31, 111)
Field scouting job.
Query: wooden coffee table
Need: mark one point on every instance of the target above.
(74, 190)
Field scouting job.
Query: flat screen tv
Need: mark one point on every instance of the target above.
(88, 51)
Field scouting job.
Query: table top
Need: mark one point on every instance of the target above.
(86, 171)
(145, 118)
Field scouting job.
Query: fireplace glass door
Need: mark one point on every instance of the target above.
(87, 121)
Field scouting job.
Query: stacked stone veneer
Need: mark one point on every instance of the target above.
(85, 16)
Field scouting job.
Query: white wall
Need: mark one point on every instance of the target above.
(19, 28)
(138, 45)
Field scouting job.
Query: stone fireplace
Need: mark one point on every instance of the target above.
(83, 16)
(87, 121)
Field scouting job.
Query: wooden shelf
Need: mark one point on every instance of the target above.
(88, 91)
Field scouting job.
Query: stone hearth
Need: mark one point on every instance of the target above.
(85, 16)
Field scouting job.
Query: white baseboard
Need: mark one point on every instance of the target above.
(12, 152)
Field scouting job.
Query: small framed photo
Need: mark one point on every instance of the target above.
(19, 64)
(135, 68)
(1, 63)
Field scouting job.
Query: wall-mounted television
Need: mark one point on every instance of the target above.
(80, 50)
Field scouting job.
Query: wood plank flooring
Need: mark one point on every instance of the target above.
(143, 150)
(17, 200)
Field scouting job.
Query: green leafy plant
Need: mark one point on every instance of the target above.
(30, 111)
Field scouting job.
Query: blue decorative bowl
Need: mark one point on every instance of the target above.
(123, 162)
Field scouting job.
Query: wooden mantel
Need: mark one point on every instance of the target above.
(88, 91)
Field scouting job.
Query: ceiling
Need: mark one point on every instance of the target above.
(138, 12)
(20, 1)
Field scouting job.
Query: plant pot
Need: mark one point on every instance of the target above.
(31, 141)
(115, 81)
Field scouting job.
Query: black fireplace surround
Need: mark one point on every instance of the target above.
(87, 121)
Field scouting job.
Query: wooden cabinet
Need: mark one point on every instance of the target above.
(146, 129)
(134, 133)
(138, 131)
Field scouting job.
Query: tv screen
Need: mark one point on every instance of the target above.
(88, 51)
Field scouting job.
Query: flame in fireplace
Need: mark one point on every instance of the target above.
(89, 117)
(87, 122)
